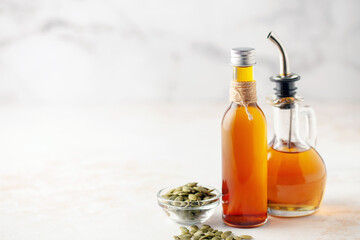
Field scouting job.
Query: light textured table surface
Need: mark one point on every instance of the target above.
(92, 172)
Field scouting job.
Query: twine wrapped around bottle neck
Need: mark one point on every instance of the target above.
(243, 93)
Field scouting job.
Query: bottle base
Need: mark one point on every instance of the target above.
(291, 211)
(244, 222)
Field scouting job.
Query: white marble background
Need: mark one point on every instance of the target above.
(114, 51)
(102, 103)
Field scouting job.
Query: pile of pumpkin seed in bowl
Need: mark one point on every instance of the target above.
(189, 195)
(190, 203)
(207, 233)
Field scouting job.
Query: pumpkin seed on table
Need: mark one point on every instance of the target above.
(184, 230)
(206, 232)
(194, 228)
(226, 234)
(246, 237)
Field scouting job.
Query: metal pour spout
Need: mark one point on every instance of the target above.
(285, 81)
(284, 61)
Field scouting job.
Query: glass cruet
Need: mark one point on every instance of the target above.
(296, 171)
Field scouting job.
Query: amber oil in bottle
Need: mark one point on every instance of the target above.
(244, 149)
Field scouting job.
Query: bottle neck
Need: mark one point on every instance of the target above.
(243, 74)
(243, 87)
(286, 130)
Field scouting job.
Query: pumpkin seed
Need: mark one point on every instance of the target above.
(246, 237)
(198, 233)
(226, 234)
(194, 228)
(184, 230)
(192, 197)
(206, 232)
(193, 184)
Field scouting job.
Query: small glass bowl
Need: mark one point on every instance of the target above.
(188, 214)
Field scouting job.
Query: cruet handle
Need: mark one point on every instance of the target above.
(310, 125)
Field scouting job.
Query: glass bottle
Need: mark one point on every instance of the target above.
(244, 150)
(296, 171)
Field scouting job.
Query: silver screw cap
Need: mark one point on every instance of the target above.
(243, 57)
